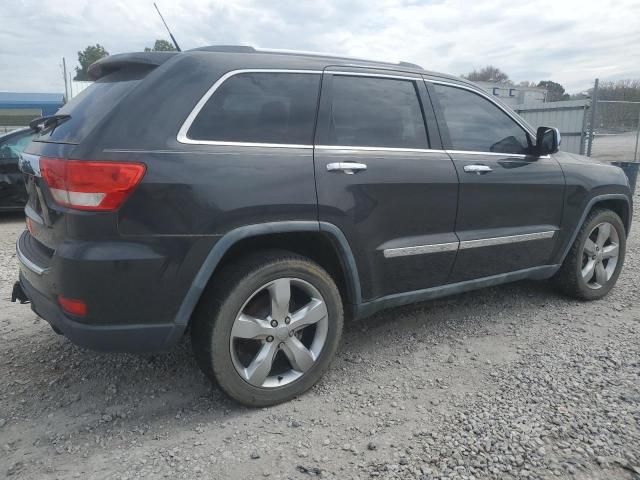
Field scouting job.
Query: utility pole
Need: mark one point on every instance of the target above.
(66, 87)
(594, 103)
(635, 153)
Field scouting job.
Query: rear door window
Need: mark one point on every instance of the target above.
(375, 112)
(260, 107)
(477, 124)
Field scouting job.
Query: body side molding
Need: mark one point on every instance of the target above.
(466, 244)
(420, 249)
(492, 241)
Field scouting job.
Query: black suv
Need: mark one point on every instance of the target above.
(257, 198)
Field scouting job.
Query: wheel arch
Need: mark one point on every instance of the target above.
(618, 205)
(617, 202)
(322, 242)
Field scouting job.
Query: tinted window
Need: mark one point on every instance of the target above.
(260, 108)
(92, 105)
(476, 124)
(375, 112)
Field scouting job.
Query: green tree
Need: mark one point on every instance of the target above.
(161, 45)
(89, 55)
(555, 91)
(488, 74)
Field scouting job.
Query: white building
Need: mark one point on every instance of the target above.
(514, 95)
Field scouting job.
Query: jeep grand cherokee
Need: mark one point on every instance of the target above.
(255, 199)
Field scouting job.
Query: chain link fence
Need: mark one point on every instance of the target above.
(615, 125)
(617, 129)
(615, 117)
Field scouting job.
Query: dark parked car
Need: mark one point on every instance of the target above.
(256, 198)
(13, 195)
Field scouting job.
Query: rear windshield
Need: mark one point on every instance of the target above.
(92, 105)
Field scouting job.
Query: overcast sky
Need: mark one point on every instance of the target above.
(570, 42)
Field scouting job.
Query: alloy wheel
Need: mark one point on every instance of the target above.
(279, 333)
(600, 255)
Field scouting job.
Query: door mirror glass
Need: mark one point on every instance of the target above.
(547, 140)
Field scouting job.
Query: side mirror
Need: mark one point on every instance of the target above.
(547, 140)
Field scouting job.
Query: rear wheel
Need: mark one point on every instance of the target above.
(593, 264)
(268, 327)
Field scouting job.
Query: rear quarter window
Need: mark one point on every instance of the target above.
(260, 107)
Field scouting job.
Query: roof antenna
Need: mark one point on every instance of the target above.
(167, 27)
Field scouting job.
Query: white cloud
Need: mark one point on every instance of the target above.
(570, 42)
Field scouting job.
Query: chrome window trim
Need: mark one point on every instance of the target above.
(420, 249)
(488, 97)
(377, 149)
(22, 258)
(206, 152)
(371, 148)
(489, 242)
(466, 244)
(242, 144)
(186, 125)
(474, 152)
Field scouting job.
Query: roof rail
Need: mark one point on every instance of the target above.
(308, 53)
(276, 51)
(225, 48)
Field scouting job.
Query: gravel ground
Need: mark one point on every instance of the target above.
(508, 382)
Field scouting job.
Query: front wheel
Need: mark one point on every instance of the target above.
(593, 264)
(268, 327)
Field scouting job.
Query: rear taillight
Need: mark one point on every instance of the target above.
(89, 185)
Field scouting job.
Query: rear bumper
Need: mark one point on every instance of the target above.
(122, 316)
(106, 338)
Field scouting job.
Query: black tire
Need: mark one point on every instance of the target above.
(224, 298)
(569, 278)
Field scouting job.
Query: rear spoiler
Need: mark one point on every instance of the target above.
(120, 61)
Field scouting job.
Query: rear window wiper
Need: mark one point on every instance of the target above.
(42, 123)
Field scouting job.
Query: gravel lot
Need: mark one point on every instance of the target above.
(508, 382)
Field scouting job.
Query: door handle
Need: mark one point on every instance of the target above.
(346, 167)
(478, 169)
